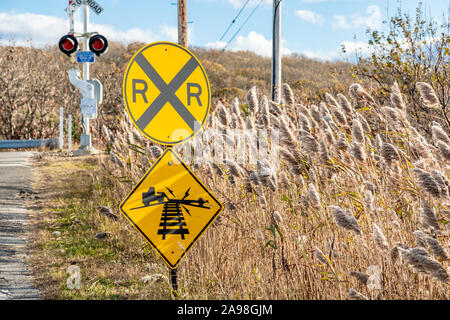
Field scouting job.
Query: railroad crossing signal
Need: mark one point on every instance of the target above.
(166, 93)
(68, 44)
(98, 45)
(75, 4)
(170, 207)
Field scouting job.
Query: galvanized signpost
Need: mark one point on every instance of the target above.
(167, 96)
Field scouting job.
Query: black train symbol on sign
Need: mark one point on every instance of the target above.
(172, 218)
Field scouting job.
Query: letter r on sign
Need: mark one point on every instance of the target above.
(196, 94)
(141, 91)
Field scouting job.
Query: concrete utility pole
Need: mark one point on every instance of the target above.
(276, 52)
(182, 23)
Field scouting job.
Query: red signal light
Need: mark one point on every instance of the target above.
(98, 45)
(68, 44)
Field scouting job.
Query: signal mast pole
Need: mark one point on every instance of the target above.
(182, 23)
(86, 139)
(71, 22)
(85, 39)
(276, 52)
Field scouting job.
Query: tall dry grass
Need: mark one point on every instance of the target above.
(359, 208)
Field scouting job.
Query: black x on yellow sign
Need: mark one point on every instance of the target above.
(166, 93)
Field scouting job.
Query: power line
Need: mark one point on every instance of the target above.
(234, 20)
(246, 20)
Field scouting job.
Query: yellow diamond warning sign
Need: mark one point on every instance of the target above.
(170, 207)
(166, 93)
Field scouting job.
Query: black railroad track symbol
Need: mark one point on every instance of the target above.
(172, 219)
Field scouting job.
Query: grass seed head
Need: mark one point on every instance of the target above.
(344, 219)
(419, 259)
(427, 182)
(252, 101)
(355, 295)
(428, 95)
(396, 97)
(361, 277)
(321, 256)
(389, 153)
(357, 131)
(277, 217)
(288, 96)
(345, 104)
(313, 196)
(439, 134)
(444, 150)
(379, 238)
(357, 152)
(357, 92)
(428, 217)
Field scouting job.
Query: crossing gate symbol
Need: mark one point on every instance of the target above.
(170, 207)
(166, 93)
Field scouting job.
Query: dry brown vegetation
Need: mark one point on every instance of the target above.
(358, 210)
(358, 189)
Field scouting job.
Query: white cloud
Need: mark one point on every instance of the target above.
(372, 19)
(352, 47)
(254, 42)
(340, 22)
(309, 16)
(41, 30)
(361, 48)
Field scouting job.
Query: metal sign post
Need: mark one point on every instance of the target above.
(71, 23)
(85, 40)
(85, 139)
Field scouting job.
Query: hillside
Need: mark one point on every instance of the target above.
(34, 83)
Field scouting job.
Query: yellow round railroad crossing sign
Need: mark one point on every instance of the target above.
(166, 93)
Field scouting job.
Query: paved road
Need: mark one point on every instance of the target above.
(15, 180)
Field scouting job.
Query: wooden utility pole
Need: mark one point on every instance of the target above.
(182, 40)
(276, 52)
(182, 23)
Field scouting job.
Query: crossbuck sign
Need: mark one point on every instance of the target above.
(75, 4)
(166, 93)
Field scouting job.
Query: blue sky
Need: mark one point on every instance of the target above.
(315, 28)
